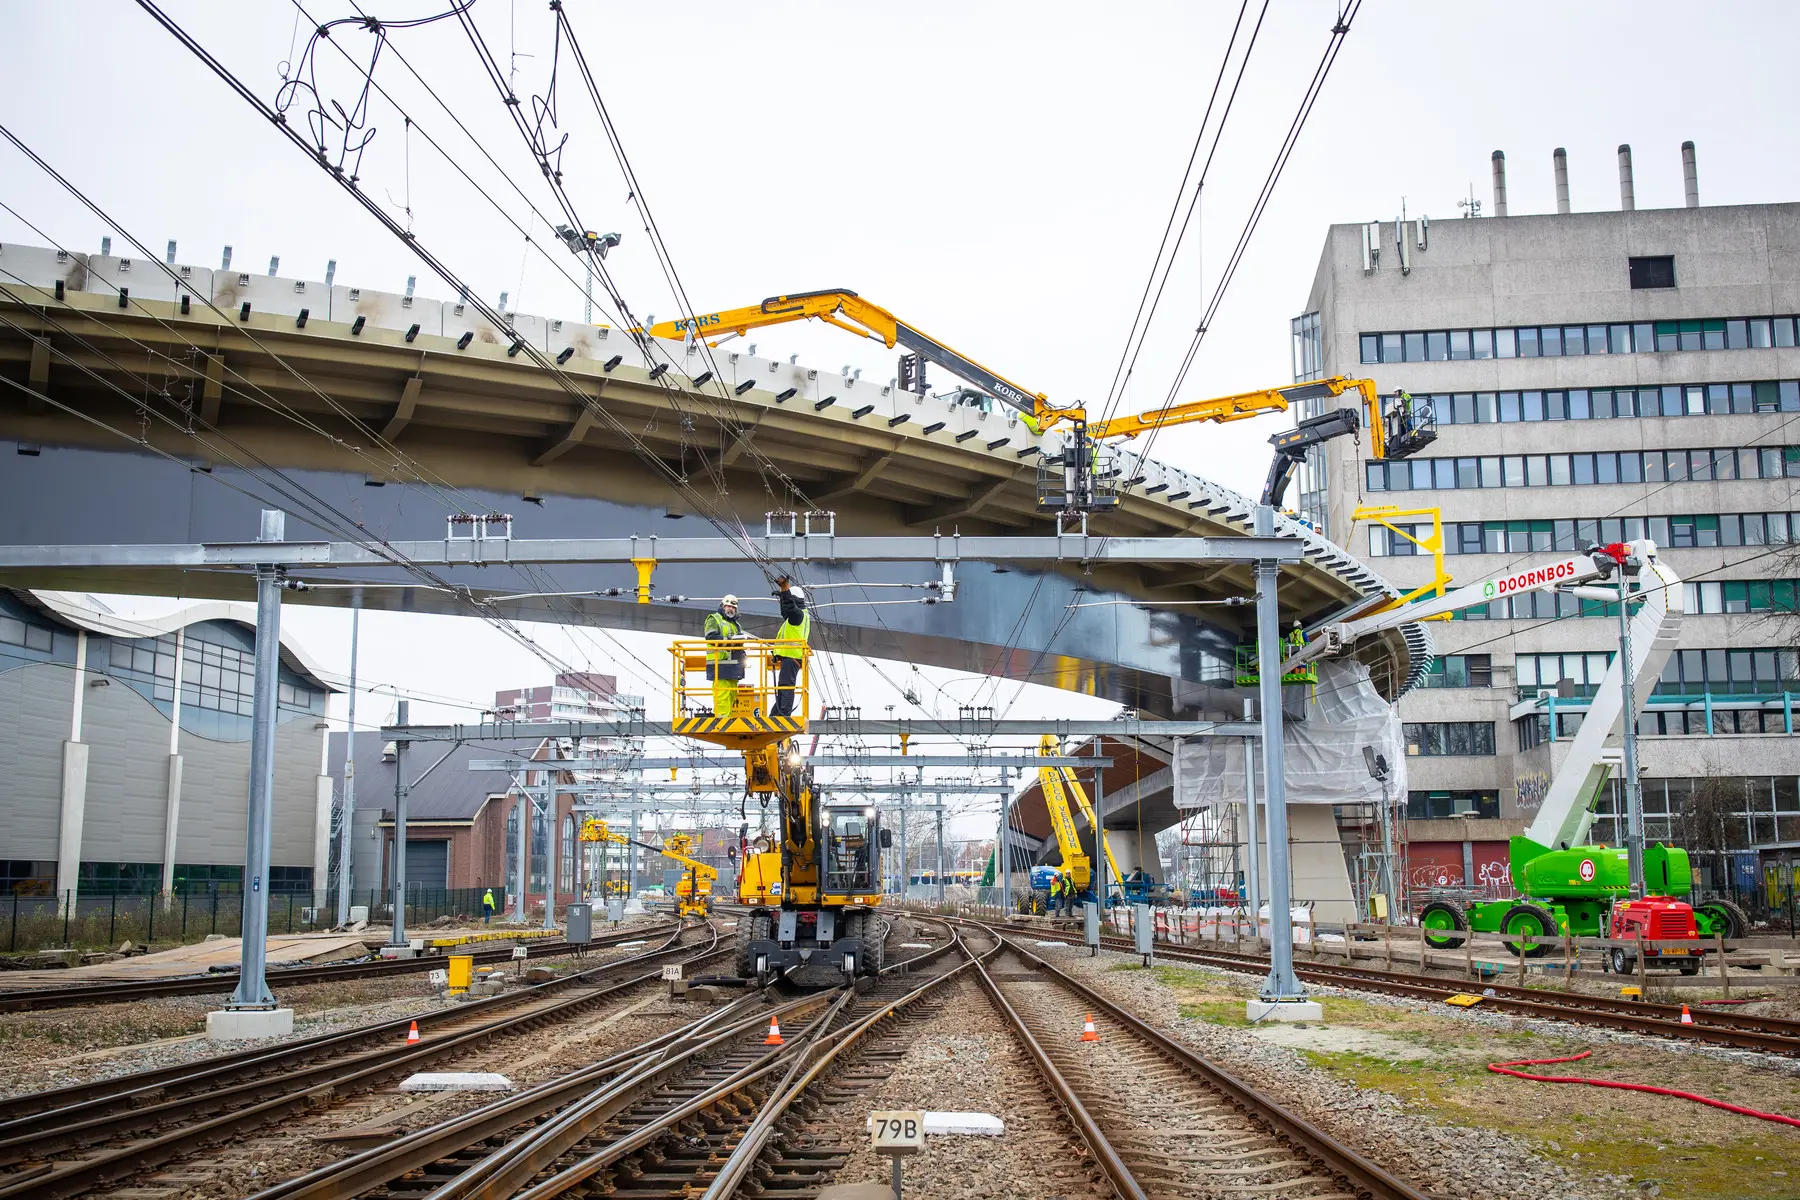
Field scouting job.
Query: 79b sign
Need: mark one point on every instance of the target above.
(901, 1132)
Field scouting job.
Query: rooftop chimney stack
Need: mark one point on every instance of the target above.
(1690, 174)
(1499, 183)
(1627, 193)
(1561, 160)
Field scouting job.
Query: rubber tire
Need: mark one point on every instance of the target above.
(755, 924)
(1459, 922)
(874, 935)
(1690, 968)
(1547, 927)
(1621, 962)
(1736, 920)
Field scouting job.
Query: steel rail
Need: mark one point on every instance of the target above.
(33, 999)
(750, 1146)
(379, 1165)
(142, 1087)
(1334, 1155)
(1109, 1159)
(1770, 1035)
(576, 1105)
(303, 1086)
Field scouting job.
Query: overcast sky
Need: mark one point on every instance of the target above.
(997, 174)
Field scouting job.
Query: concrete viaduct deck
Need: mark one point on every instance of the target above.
(153, 406)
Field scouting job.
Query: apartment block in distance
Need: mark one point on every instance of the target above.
(1595, 377)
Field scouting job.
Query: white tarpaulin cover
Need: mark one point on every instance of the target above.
(1323, 752)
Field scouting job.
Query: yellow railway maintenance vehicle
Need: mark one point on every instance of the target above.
(693, 892)
(813, 888)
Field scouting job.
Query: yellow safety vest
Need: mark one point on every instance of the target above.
(726, 629)
(790, 632)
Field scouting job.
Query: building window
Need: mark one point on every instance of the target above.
(1429, 806)
(1460, 671)
(14, 632)
(1581, 470)
(1652, 271)
(565, 873)
(1309, 348)
(1561, 341)
(213, 675)
(1440, 739)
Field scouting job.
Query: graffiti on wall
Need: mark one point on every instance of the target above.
(1532, 790)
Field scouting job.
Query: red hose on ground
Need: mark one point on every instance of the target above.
(1503, 1069)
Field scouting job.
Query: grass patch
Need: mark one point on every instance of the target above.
(1459, 1091)
(1216, 1012)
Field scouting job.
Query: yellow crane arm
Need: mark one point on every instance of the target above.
(848, 311)
(1060, 786)
(1250, 404)
(595, 830)
(676, 848)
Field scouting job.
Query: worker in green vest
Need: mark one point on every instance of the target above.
(790, 647)
(724, 663)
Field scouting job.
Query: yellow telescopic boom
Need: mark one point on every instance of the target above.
(1060, 787)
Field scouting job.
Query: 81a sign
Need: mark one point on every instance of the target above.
(893, 1133)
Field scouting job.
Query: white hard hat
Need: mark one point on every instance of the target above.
(728, 600)
(797, 592)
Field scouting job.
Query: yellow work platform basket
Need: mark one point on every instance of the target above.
(737, 713)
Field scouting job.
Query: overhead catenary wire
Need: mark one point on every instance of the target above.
(1141, 320)
(293, 492)
(671, 476)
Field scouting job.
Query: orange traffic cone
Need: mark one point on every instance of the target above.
(1687, 1018)
(1088, 1032)
(412, 1034)
(774, 1038)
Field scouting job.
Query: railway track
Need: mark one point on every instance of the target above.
(73, 1140)
(33, 999)
(1740, 1031)
(1160, 1120)
(693, 1112)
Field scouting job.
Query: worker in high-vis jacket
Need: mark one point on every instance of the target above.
(790, 644)
(724, 663)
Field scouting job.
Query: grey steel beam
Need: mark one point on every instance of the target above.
(839, 727)
(495, 551)
(873, 789)
(961, 762)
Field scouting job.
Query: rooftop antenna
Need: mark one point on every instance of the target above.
(171, 259)
(1471, 207)
(225, 261)
(330, 271)
(274, 264)
(106, 247)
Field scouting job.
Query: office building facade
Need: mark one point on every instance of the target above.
(126, 747)
(1596, 377)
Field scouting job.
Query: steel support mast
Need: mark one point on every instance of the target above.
(253, 988)
(1282, 983)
